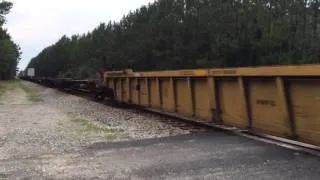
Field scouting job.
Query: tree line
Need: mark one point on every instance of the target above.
(9, 51)
(177, 34)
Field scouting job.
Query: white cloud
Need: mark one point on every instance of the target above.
(35, 24)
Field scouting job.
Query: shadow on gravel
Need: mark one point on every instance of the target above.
(147, 142)
(212, 138)
(4, 175)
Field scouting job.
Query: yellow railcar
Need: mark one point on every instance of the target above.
(282, 100)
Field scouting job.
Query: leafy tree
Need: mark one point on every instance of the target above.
(176, 34)
(9, 51)
(8, 59)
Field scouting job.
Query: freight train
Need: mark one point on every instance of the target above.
(281, 101)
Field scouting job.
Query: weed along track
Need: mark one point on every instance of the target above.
(86, 126)
(33, 93)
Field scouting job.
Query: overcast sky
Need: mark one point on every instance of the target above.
(36, 24)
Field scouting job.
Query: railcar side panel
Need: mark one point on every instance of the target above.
(167, 97)
(281, 101)
(143, 96)
(118, 89)
(183, 98)
(110, 83)
(232, 113)
(154, 93)
(266, 107)
(305, 98)
(125, 90)
(202, 99)
(134, 91)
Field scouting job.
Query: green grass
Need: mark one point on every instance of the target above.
(33, 93)
(87, 126)
(2, 89)
(8, 85)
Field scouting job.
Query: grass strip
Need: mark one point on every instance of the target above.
(33, 93)
(7, 85)
(87, 126)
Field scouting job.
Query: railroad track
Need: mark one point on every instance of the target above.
(193, 127)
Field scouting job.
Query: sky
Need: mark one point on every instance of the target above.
(36, 24)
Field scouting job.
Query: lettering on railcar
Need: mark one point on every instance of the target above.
(187, 73)
(266, 102)
(114, 73)
(223, 72)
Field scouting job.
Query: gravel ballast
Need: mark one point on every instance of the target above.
(48, 134)
(58, 123)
